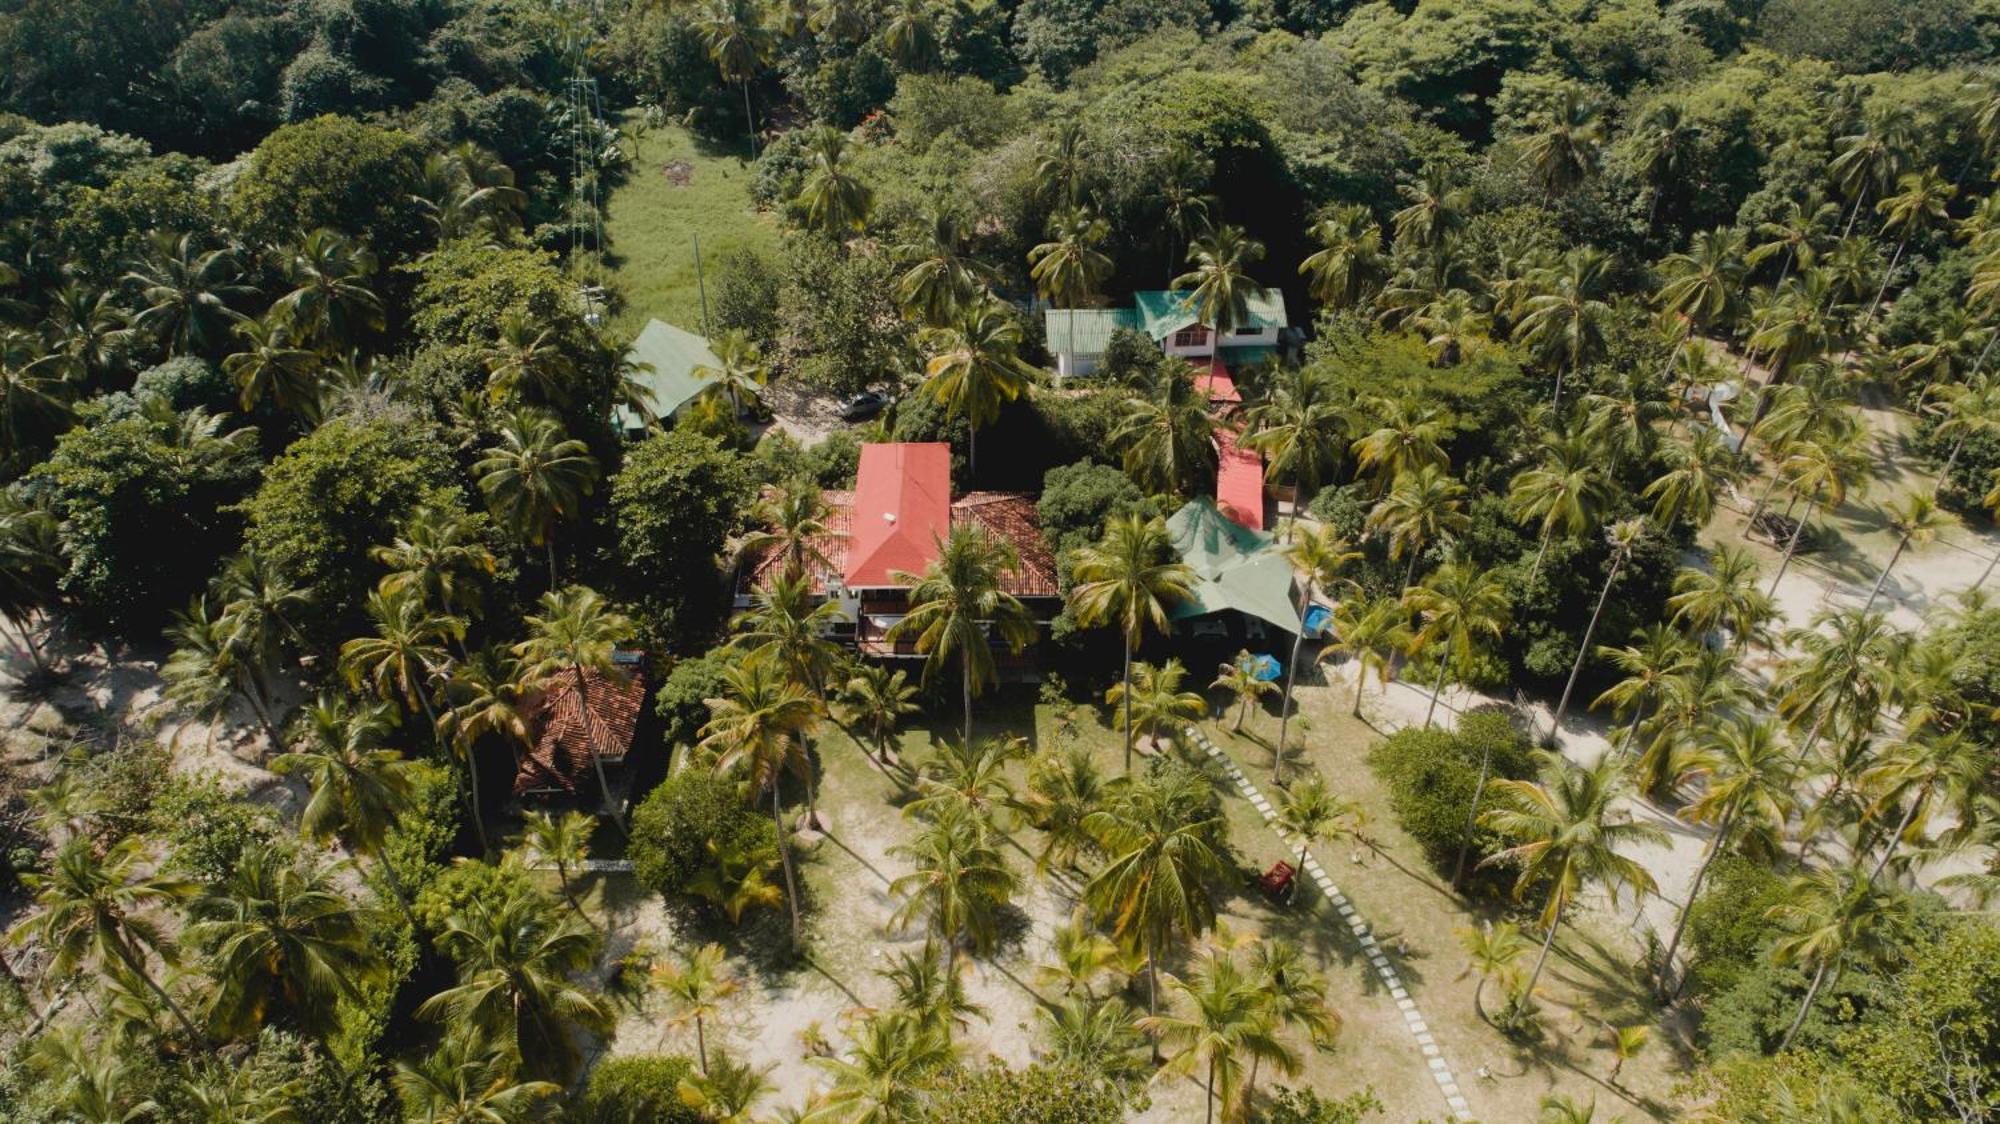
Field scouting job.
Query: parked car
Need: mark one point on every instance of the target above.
(864, 405)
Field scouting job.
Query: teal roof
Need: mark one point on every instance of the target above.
(1092, 326)
(666, 358)
(1163, 313)
(1235, 567)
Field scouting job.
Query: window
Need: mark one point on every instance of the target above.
(1250, 330)
(1191, 337)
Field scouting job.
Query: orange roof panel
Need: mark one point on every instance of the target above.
(901, 511)
(1239, 482)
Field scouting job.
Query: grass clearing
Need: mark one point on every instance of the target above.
(680, 188)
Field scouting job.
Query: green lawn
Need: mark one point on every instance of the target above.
(653, 222)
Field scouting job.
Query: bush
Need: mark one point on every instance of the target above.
(676, 500)
(682, 827)
(746, 294)
(466, 881)
(1303, 1106)
(333, 172)
(207, 826)
(1727, 927)
(638, 1087)
(1040, 1094)
(681, 701)
(188, 383)
(1076, 501)
(1432, 773)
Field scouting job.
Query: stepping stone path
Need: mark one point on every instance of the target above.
(1413, 1018)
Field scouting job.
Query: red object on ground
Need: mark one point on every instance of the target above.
(1217, 385)
(1239, 482)
(1277, 881)
(902, 510)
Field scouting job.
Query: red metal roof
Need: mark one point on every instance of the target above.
(901, 509)
(1239, 482)
(560, 760)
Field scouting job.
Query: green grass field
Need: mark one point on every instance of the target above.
(653, 223)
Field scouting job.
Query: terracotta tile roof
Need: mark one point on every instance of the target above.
(560, 759)
(1007, 515)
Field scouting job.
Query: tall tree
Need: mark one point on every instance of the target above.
(1454, 608)
(1318, 555)
(1832, 917)
(1624, 537)
(1916, 522)
(696, 983)
(1566, 324)
(1069, 267)
(733, 34)
(741, 370)
(1130, 577)
(1226, 1019)
(1372, 631)
(535, 477)
(562, 842)
(406, 660)
(1219, 286)
(956, 600)
(760, 724)
(835, 202)
(1348, 267)
(1918, 206)
(1566, 490)
(577, 632)
(330, 302)
(1561, 149)
(1423, 508)
(358, 788)
(975, 367)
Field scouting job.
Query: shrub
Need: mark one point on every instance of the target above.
(1303, 1106)
(207, 826)
(1432, 773)
(1076, 501)
(466, 881)
(746, 294)
(685, 826)
(1040, 1094)
(682, 701)
(333, 172)
(675, 501)
(1727, 927)
(636, 1087)
(188, 383)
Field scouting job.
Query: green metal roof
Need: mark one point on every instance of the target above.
(1092, 327)
(1235, 567)
(1163, 313)
(666, 358)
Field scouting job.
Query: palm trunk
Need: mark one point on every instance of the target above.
(590, 736)
(1472, 816)
(785, 855)
(1285, 709)
(1882, 579)
(1668, 986)
(1208, 1092)
(972, 452)
(1632, 729)
(1812, 993)
(965, 688)
(750, 130)
(1896, 839)
(132, 963)
(1125, 703)
(701, 1044)
(1951, 461)
(1894, 260)
(1410, 571)
(1589, 632)
(1153, 995)
(472, 798)
(1360, 681)
(1437, 690)
(1790, 546)
(549, 550)
(1541, 552)
(1988, 571)
(1548, 942)
(1242, 712)
(1763, 498)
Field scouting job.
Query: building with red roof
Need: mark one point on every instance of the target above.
(559, 764)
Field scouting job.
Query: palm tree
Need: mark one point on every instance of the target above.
(974, 368)
(1156, 881)
(1822, 470)
(727, 1091)
(1665, 140)
(1300, 425)
(795, 518)
(1916, 522)
(882, 1072)
(1749, 779)
(938, 277)
(184, 294)
(1797, 234)
(210, 667)
(834, 201)
(438, 556)
(526, 356)
(1239, 678)
(535, 476)
(406, 653)
(1561, 1108)
(1840, 673)
(1349, 266)
(1152, 698)
(909, 34)
(1372, 631)
(785, 623)
(1131, 577)
(1184, 205)
(1168, 435)
(876, 699)
(34, 393)
(1424, 507)
(732, 32)
(1649, 666)
(93, 908)
(696, 984)
(1495, 952)
(273, 366)
(358, 788)
(1918, 205)
(953, 603)
(1081, 955)
(89, 329)
(87, 1083)
(1562, 150)
(1926, 772)
(1869, 160)
(1624, 537)
(485, 696)
(564, 843)
(1964, 410)
(959, 880)
(1437, 211)
(761, 722)
(1702, 285)
(1456, 605)
(1065, 785)
(1698, 470)
(282, 942)
(470, 1081)
(1226, 1020)
(517, 957)
(1069, 266)
(1060, 162)
(1831, 917)
(1409, 438)
(1566, 324)
(968, 777)
(742, 368)
(1319, 555)
(1220, 285)
(576, 632)
(330, 300)
(1566, 837)
(1311, 811)
(1565, 489)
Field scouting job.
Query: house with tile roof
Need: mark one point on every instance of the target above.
(893, 522)
(1078, 337)
(560, 764)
